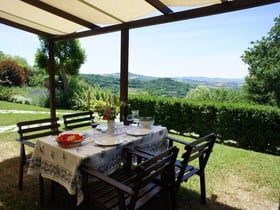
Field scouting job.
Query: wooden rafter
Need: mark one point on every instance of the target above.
(160, 6)
(61, 13)
(229, 6)
(22, 27)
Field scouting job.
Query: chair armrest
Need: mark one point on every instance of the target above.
(114, 183)
(172, 140)
(25, 142)
(134, 153)
(139, 152)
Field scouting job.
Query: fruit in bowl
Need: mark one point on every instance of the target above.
(147, 122)
(69, 140)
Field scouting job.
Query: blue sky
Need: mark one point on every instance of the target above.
(209, 46)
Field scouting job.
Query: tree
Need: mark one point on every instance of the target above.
(199, 93)
(263, 59)
(69, 57)
(11, 74)
(229, 95)
(22, 62)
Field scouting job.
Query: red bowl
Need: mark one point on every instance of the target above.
(68, 140)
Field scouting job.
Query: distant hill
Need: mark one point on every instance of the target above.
(131, 76)
(212, 82)
(170, 87)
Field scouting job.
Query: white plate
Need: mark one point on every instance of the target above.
(138, 131)
(108, 141)
(101, 128)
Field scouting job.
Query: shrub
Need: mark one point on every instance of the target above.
(11, 74)
(252, 127)
(6, 93)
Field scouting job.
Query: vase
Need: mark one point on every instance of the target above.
(110, 127)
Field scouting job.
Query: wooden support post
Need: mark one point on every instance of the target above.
(124, 69)
(51, 66)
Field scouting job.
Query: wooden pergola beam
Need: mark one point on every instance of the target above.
(124, 68)
(51, 67)
(23, 27)
(61, 13)
(229, 6)
(160, 6)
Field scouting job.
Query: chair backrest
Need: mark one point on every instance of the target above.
(162, 165)
(153, 167)
(78, 120)
(200, 149)
(34, 129)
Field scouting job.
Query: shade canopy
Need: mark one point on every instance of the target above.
(78, 18)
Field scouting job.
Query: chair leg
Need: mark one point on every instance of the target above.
(42, 190)
(173, 192)
(202, 188)
(53, 190)
(22, 159)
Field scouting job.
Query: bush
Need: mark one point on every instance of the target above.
(6, 93)
(20, 99)
(11, 74)
(252, 127)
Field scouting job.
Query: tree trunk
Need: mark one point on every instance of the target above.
(64, 78)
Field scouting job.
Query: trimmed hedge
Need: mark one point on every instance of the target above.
(253, 127)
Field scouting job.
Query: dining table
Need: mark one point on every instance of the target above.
(98, 150)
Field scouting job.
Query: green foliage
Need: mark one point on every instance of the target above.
(38, 78)
(19, 60)
(263, 59)
(110, 84)
(11, 74)
(229, 95)
(6, 93)
(166, 87)
(24, 95)
(65, 99)
(253, 127)
(96, 99)
(199, 93)
(69, 56)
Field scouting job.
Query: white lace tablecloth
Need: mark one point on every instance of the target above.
(62, 164)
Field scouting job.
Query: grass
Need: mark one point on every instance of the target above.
(235, 178)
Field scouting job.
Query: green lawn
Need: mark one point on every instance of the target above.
(235, 178)
(32, 113)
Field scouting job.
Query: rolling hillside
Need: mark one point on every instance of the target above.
(170, 87)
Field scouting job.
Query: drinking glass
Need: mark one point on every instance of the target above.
(135, 117)
(129, 119)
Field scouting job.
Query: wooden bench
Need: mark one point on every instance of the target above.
(78, 120)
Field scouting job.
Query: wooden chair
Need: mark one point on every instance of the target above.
(132, 187)
(29, 132)
(200, 150)
(78, 120)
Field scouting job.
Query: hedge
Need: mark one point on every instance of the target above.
(253, 127)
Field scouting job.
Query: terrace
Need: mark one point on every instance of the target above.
(59, 22)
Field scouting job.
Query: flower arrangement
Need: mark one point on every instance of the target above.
(108, 110)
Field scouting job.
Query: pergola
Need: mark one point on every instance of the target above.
(60, 20)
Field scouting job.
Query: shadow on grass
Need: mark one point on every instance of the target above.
(189, 199)
(28, 199)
